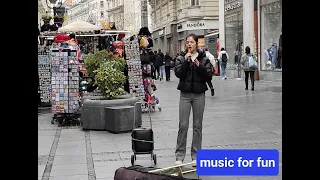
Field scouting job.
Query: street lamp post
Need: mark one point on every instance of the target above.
(52, 7)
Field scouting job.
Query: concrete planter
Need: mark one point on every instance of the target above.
(93, 111)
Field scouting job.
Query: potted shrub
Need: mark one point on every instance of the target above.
(107, 70)
(46, 18)
(58, 19)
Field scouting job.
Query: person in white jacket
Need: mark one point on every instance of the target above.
(223, 57)
(213, 63)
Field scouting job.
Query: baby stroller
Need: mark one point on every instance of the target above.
(149, 90)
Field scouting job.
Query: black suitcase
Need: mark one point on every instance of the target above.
(143, 141)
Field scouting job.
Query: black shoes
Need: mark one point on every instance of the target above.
(212, 92)
(252, 89)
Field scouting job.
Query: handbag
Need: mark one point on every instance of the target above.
(252, 63)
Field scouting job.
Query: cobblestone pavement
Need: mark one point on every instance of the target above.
(233, 118)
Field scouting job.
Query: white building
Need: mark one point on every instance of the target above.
(42, 8)
(126, 14)
(92, 11)
(253, 23)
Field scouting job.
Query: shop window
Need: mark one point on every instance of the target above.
(201, 43)
(234, 38)
(181, 4)
(271, 31)
(182, 45)
(194, 3)
(101, 4)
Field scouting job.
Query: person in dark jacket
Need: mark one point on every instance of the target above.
(161, 69)
(157, 64)
(248, 70)
(152, 60)
(167, 64)
(193, 70)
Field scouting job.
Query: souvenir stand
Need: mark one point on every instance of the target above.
(65, 84)
(134, 68)
(44, 72)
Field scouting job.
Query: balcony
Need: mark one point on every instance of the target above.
(79, 3)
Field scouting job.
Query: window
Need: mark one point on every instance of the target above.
(101, 4)
(194, 3)
(101, 14)
(271, 32)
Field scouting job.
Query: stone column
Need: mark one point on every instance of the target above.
(144, 13)
(221, 24)
(248, 24)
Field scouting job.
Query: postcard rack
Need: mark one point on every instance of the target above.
(65, 85)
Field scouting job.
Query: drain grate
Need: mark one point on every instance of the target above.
(47, 170)
(273, 89)
(90, 165)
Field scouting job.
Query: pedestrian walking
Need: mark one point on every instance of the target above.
(161, 67)
(248, 69)
(223, 57)
(167, 63)
(212, 62)
(193, 70)
(152, 60)
(157, 64)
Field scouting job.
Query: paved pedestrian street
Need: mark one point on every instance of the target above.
(233, 119)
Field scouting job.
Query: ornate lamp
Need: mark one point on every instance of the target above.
(54, 2)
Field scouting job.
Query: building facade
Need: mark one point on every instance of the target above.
(115, 11)
(173, 20)
(126, 14)
(92, 11)
(257, 24)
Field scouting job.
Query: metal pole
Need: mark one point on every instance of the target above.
(239, 50)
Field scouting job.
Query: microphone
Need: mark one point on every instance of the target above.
(189, 57)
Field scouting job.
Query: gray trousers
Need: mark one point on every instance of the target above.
(197, 102)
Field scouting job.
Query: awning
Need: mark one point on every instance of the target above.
(212, 34)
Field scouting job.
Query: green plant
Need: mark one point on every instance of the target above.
(46, 17)
(58, 16)
(108, 71)
(94, 61)
(109, 79)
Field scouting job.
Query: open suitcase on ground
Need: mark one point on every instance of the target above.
(179, 172)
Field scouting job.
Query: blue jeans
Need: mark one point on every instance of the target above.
(161, 71)
(223, 68)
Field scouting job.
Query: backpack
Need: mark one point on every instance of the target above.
(224, 57)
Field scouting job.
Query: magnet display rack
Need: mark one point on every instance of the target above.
(134, 68)
(44, 72)
(65, 85)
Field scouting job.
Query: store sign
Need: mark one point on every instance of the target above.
(198, 25)
(233, 18)
(233, 5)
(195, 24)
(211, 39)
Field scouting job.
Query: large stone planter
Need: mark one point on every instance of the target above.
(119, 118)
(93, 110)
